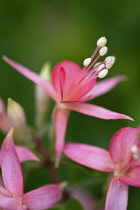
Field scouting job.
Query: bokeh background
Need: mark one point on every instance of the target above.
(35, 31)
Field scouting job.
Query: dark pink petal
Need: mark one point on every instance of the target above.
(25, 154)
(60, 118)
(46, 85)
(132, 178)
(121, 144)
(11, 169)
(97, 111)
(10, 203)
(106, 85)
(71, 72)
(43, 197)
(83, 89)
(117, 196)
(90, 156)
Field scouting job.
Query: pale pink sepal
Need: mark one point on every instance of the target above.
(97, 111)
(90, 156)
(117, 196)
(11, 169)
(42, 198)
(46, 85)
(10, 203)
(105, 86)
(132, 178)
(60, 118)
(25, 154)
(121, 144)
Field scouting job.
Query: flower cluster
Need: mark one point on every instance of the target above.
(70, 86)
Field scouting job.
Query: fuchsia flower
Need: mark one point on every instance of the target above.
(123, 159)
(12, 196)
(71, 86)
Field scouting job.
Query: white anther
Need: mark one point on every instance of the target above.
(99, 67)
(109, 61)
(103, 51)
(136, 156)
(101, 42)
(87, 61)
(134, 149)
(103, 73)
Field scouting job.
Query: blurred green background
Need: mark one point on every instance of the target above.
(35, 31)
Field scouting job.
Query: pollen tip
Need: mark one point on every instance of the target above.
(87, 61)
(109, 61)
(101, 42)
(103, 51)
(103, 73)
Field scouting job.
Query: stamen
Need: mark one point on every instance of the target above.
(103, 51)
(87, 61)
(103, 73)
(109, 61)
(101, 42)
(99, 66)
(135, 152)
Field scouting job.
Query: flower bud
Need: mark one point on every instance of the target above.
(16, 114)
(4, 121)
(41, 97)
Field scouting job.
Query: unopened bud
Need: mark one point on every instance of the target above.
(103, 73)
(101, 42)
(109, 61)
(103, 51)
(41, 97)
(16, 114)
(4, 120)
(87, 61)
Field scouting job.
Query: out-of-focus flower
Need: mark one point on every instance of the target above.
(12, 196)
(71, 86)
(87, 201)
(5, 124)
(120, 160)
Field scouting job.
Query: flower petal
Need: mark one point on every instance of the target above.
(90, 156)
(42, 198)
(121, 144)
(104, 86)
(117, 196)
(132, 178)
(71, 71)
(25, 154)
(46, 85)
(97, 111)
(10, 203)
(11, 169)
(60, 118)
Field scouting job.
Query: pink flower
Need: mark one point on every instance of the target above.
(12, 196)
(71, 87)
(121, 160)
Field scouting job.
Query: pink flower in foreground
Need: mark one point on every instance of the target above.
(123, 159)
(12, 196)
(71, 86)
